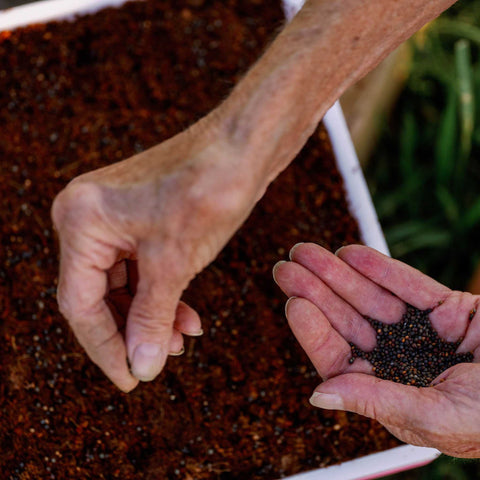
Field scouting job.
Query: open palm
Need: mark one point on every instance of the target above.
(332, 295)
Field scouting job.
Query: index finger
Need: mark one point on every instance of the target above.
(407, 283)
(367, 297)
(81, 291)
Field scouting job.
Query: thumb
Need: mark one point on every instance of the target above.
(149, 331)
(150, 319)
(390, 403)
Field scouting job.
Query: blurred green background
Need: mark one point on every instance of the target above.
(444, 468)
(425, 172)
(13, 3)
(425, 175)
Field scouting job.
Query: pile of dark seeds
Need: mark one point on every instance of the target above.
(410, 351)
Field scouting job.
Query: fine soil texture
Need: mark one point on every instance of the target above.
(78, 96)
(411, 351)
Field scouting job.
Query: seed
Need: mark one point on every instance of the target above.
(410, 351)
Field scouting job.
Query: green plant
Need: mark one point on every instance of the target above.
(445, 468)
(425, 177)
(425, 174)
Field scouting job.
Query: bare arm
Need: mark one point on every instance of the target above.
(173, 207)
(327, 47)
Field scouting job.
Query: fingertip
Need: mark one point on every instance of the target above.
(360, 257)
(187, 320)
(327, 401)
(288, 305)
(292, 250)
(177, 354)
(275, 269)
(346, 249)
(106, 347)
(298, 308)
(175, 348)
(128, 385)
(147, 361)
(121, 376)
(309, 253)
(346, 392)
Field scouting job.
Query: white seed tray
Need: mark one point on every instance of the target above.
(368, 467)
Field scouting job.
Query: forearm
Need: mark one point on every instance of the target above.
(228, 158)
(326, 48)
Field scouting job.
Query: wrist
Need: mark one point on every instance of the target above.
(225, 181)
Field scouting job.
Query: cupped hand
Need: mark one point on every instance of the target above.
(132, 236)
(332, 294)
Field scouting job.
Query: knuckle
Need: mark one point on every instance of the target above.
(368, 408)
(78, 308)
(321, 341)
(56, 211)
(64, 304)
(73, 202)
(337, 365)
(150, 319)
(376, 405)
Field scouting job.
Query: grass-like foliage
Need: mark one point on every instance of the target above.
(445, 468)
(425, 175)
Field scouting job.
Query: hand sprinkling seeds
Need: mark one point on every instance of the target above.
(331, 295)
(410, 351)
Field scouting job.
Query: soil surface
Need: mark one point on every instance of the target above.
(74, 97)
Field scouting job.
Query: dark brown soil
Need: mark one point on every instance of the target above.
(74, 97)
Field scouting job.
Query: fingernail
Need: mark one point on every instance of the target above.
(275, 268)
(286, 305)
(290, 255)
(177, 354)
(329, 401)
(338, 250)
(196, 334)
(147, 361)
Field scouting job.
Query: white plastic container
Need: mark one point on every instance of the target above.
(364, 468)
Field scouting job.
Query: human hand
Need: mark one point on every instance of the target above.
(173, 207)
(333, 293)
(157, 218)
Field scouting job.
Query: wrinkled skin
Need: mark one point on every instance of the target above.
(111, 237)
(330, 294)
(172, 208)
